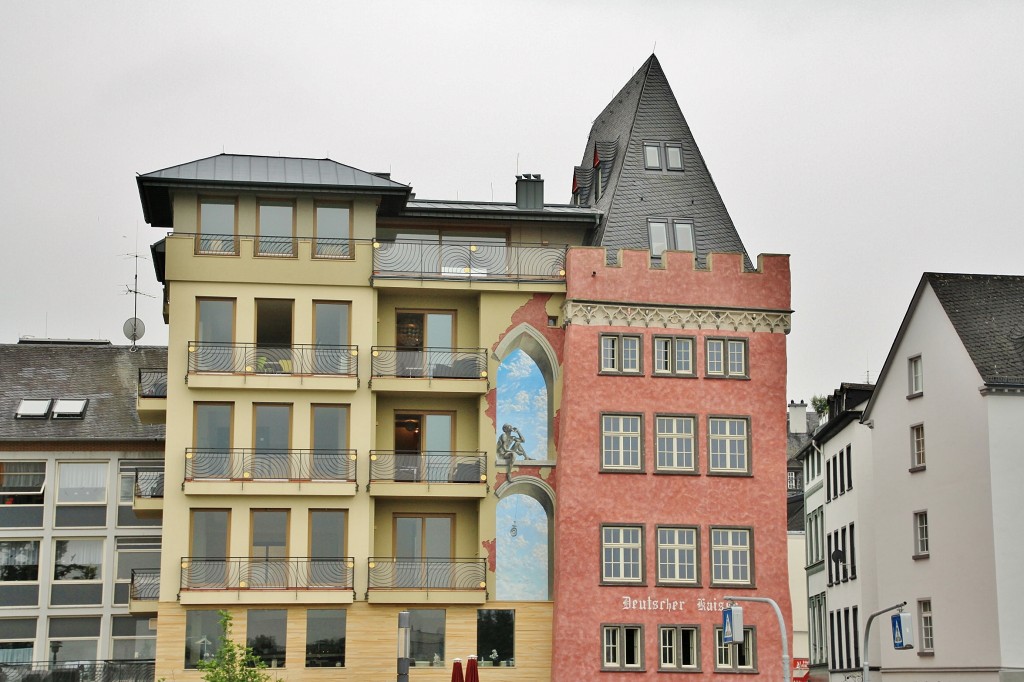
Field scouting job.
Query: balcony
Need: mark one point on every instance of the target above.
(144, 591)
(418, 581)
(135, 670)
(238, 365)
(272, 472)
(428, 474)
(151, 403)
(261, 581)
(149, 491)
(487, 263)
(429, 370)
(287, 247)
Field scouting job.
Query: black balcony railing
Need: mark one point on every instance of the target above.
(145, 585)
(153, 382)
(134, 670)
(248, 573)
(387, 573)
(247, 464)
(468, 466)
(466, 260)
(149, 484)
(436, 363)
(250, 358)
(228, 245)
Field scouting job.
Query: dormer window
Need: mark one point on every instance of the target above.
(33, 409)
(670, 234)
(597, 182)
(68, 408)
(652, 156)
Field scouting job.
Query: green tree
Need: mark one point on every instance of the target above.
(820, 404)
(233, 662)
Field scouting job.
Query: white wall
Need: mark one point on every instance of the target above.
(797, 547)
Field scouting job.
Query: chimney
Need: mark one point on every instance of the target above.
(797, 417)
(529, 191)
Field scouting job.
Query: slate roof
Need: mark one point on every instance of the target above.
(646, 110)
(987, 312)
(105, 374)
(263, 173)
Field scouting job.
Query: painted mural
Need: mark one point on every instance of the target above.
(522, 410)
(522, 546)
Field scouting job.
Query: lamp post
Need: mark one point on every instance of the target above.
(866, 670)
(403, 646)
(786, 672)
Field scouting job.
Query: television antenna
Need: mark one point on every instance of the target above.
(133, 327)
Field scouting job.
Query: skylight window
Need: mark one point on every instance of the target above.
(33, 409)
(69, 409)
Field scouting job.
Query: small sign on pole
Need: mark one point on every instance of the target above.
(732, 625)
(902, 631)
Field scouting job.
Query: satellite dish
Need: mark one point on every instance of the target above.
(134, 329)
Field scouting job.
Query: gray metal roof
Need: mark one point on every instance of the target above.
(645, 109)
(263, 172)
(104, 374)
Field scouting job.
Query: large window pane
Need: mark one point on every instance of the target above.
(325, 638)
(19, 560)
(78, 559)
(332, 231)
(496, 636)
(213, 440)
(327, 533)
(81, 482)
(209, 534)
(265, 635)
(273, 439)
(426, 644)
(132, 638)
(275, 229)
(215, 333)
(202, 636)
(22, 482)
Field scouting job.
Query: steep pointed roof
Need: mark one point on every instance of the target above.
(645, 109)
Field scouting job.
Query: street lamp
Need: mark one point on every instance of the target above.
(403, 646)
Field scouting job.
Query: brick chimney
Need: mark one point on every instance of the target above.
(529, 191)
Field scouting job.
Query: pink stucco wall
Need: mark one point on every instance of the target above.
(587, 497)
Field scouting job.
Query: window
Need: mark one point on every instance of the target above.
(64, 408)
(727, 358)
(331, 354)
(78, 559)
(81, 482)
(679, 647)
(818, 647)
(620, 442)
(211, 457)
(673, 355)
(203, 632)
(915, 377)
(19, 561)
(496, 636)
(33, 409)
(917, 460)
(920, 534)
(73, 639)
(622, 549)
(831, 561)
(132, 638)
(217, 227)
(924, 619)
(22, 482)
(849, 469)
(673, 156)
(731, 556)
(728, 445)
(730, 657)
(272, 442)
(325, 638)
(276, 229)
(597, 181)
(851, 558)
(265, 634)
(663, 156)
(17, 640)
(670, 234)
(623, 647)
(426, 628)
(215, 334)
(620, 354)
(815, 536)
(136, 553)
(677, 556)
(333, 231)
(674, 443)
(652, 155)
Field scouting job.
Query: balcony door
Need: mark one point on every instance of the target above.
(423, 550)
(329, 459)
(271, 442)
(331, 337)
(215, 332)
(268, 553)
(424, 446)
(425, 341)
(208, 548)
(211, 456)
(273, 352)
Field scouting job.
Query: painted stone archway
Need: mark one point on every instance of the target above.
(525, 396)
(524, 535)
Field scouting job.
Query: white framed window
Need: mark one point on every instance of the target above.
(81, 482)
(818, 642)
(622, 550)
(917, 455)
(731, 556)
(17, 640)
(19, 561)
(620, 442)
(815, 536)
(920, 534)
(78, 639)
(22, 482)
(925, 625)
(670, 234)
(620, 354)
(132, 637)
(726, 358)
(728, 444)
(915, 376)
(679, 647)
(677, 556)
(622, 647)
(67, 408)
(673, 355)
(33, 409)
(674, 440)
(735, 657)
(78, 559)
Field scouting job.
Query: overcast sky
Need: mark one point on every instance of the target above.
(870, 140)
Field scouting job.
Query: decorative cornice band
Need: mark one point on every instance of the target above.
(669, 317)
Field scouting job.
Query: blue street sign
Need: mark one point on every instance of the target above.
(902, 631)
(732, 625)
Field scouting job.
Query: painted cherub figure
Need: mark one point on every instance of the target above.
(510, 444)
